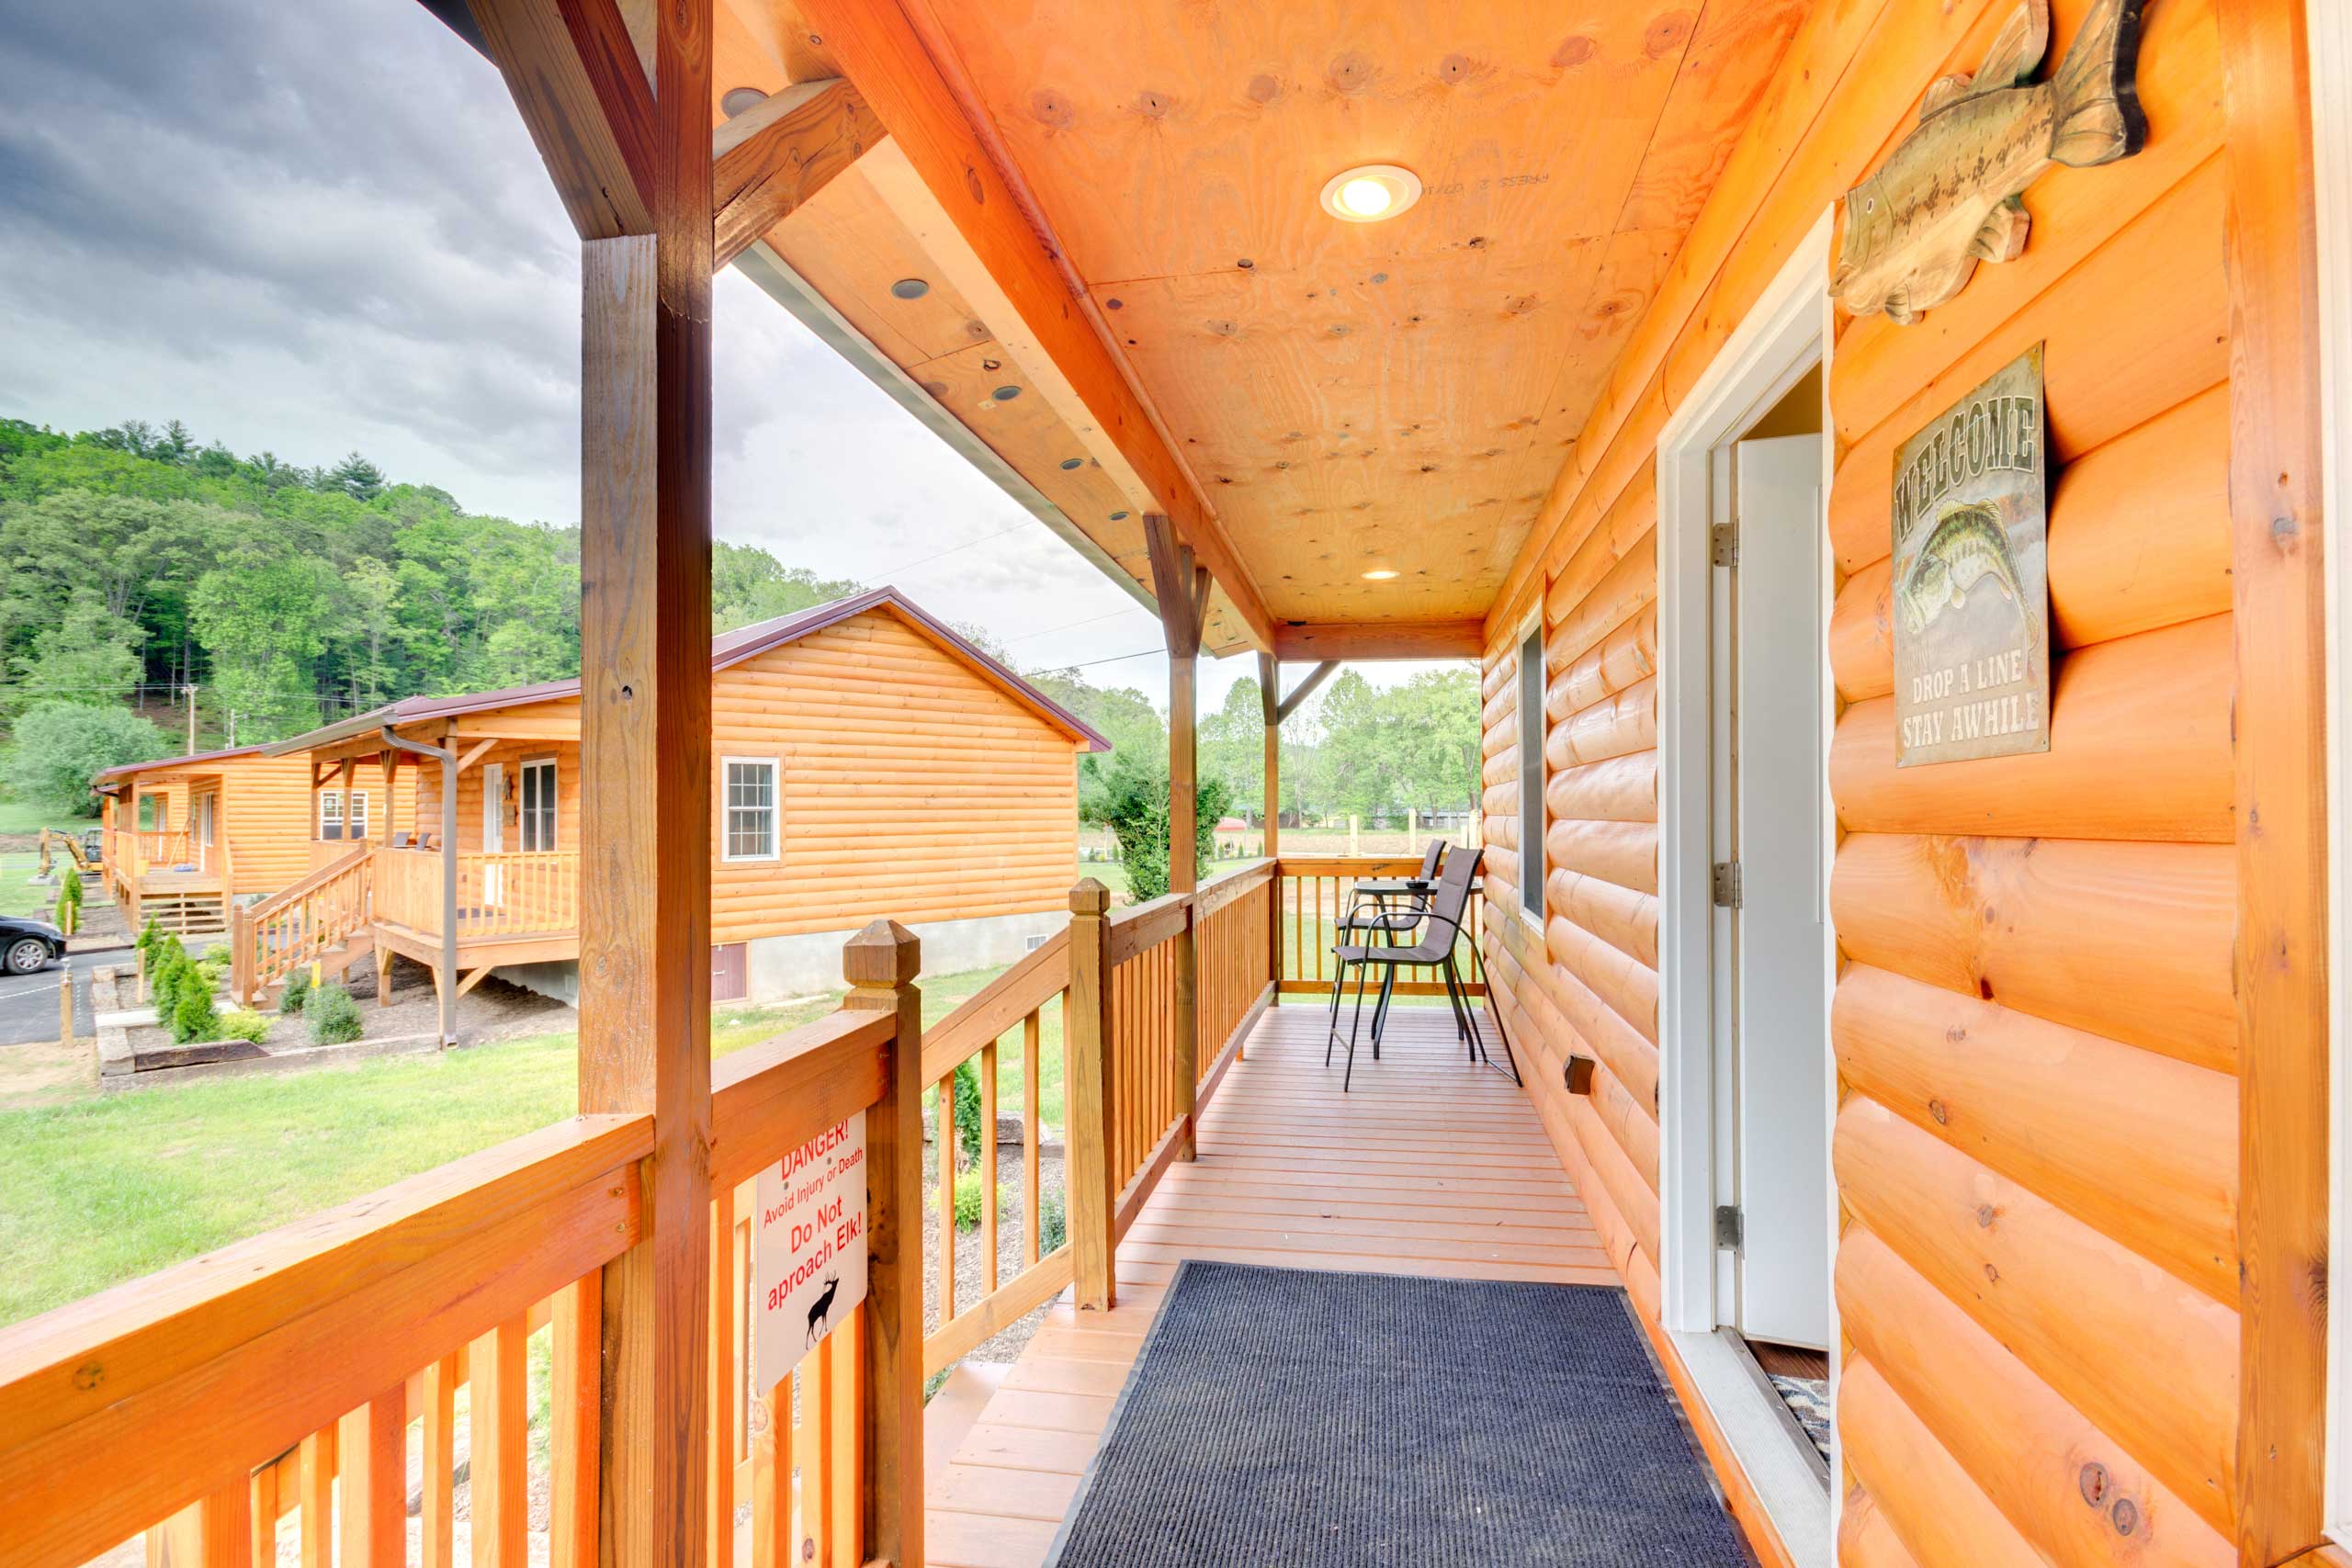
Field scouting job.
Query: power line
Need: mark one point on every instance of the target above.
(904, 567)
(1124, 609)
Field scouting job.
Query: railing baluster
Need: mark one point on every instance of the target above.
(371, 1444)
(318, 1499)
(844, 1467)
(438, 1515)
(499, 1409)
(774, 1543)
(726, 1299)
(945, 1121)
(261, 1517)
(816, 1519)
(988, 1168)
(1030, 1220)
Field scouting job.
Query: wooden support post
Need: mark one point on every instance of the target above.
(445, 984)
(1270, 706)
(1087, 1089)
(881, 963)
(1184, 592)
(645, 764)
(65, 1007)
(242, 957)
(2280, 721)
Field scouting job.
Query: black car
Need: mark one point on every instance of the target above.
(29, 945)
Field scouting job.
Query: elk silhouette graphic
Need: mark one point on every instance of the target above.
(820, 1314)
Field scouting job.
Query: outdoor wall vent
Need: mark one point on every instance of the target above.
(1033, 943)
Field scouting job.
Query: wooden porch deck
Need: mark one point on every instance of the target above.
(1292, 1173)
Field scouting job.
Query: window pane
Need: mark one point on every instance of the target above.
(751, 809)
(1531, 774)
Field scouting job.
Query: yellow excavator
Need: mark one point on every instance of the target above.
(82, 848)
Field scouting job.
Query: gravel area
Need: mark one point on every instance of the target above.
(1009, 1228)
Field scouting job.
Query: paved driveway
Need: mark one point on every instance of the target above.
(29, 1002)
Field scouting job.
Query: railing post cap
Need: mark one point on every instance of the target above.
(1089, 898)
(884, 953)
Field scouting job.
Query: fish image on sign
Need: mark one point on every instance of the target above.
(1970, 586)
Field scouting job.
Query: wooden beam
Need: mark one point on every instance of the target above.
(1315, 678)
(645, 805)
(770, 159)
(575, 76)
(474, 753)
(2280, 717)
(1380, 639)
(944, 175)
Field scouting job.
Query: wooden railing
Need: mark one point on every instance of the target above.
(297, 925)
(282, 1374)
(1318, 891)
(1020, 999)
(512, 894)
(132, 853)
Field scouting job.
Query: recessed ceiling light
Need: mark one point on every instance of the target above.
(1005, 394)
(739, 99)
(1380, 574)
(1069, 463)
(1369, 194)
(910, 289)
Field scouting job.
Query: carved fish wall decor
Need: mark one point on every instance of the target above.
(1947, 197)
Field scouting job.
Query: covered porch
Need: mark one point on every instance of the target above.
(1289, 1173)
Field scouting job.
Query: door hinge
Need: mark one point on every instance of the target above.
(1723, 544)
(1728, 1229)
(1727, 884)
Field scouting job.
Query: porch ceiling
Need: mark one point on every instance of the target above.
(1343, 397)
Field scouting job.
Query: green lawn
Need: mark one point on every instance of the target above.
(20, 817)
(105, 1189)
(19, 894)
(1113, 876)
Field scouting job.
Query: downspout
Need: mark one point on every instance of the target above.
(448, 987)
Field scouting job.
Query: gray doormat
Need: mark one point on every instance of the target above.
(1277, 1416)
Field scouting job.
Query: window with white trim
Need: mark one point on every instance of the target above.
(537, 814)
(334, 821)
(750, 827)
(1530, 773)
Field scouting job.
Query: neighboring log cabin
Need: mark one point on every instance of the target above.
(1965, 1136)
(186, 838)
(865, 757)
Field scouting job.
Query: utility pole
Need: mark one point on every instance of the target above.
(232, 729)
(190, 690)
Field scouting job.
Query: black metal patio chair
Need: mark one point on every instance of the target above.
(1449, 906)
(1389, 920)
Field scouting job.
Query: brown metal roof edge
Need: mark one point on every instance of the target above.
(191, 759)
(727, 650)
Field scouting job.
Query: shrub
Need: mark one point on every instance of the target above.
(211, 974)
(334, 1017)
(1053, 1228)
(968, 1112)
(61, 746)
(967, 1200)
(69, 893)
(192, 1015)
(219, 955)
(151, 938)
(243, 1025)
(168, 969)
(298, 989)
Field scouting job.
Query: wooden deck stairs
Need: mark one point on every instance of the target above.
(188, 914)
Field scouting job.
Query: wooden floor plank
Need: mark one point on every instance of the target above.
(1429, 1166)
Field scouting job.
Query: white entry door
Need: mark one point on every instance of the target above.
(205, 824)
(1779, 968)
(494, 830)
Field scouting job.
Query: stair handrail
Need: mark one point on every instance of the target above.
(253, 969)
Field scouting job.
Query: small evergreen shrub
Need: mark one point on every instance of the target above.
(968, 1112)
(1053, 1228)
(69, 901)
(298, 989)
(192, 1015)
(243, 1024)
(334, 1017)
(220, 955)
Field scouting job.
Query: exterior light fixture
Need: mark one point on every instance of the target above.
(1380, 574)
(739, 99)
(1369, 194)
(1005, 394)
(1071, 463)
(910, 289)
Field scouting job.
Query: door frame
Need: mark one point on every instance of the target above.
(1789, 328)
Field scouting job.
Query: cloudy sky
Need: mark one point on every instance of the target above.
(318, 227)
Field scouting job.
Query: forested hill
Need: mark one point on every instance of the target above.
(140, 560)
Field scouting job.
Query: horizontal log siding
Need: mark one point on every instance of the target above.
(2036, 1031)
(912, 787)
(266, 817)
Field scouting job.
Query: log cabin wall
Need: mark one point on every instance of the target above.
(912, 787)
(270, 813)
(425, 817)
(2036, 1039)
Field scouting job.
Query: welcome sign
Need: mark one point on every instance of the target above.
(808, 1246)
(1970, 589)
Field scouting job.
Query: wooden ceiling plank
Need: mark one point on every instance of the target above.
(575, 74)
(962, 206)
(769, 159)
(1381, 639)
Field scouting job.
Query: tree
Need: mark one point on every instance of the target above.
(1122, 715)
(368, 589)
(748, 585)
(1135, 809)
(61, 746)
(89, 656)
(265, 619)
(355, 477)
(1232, 744)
